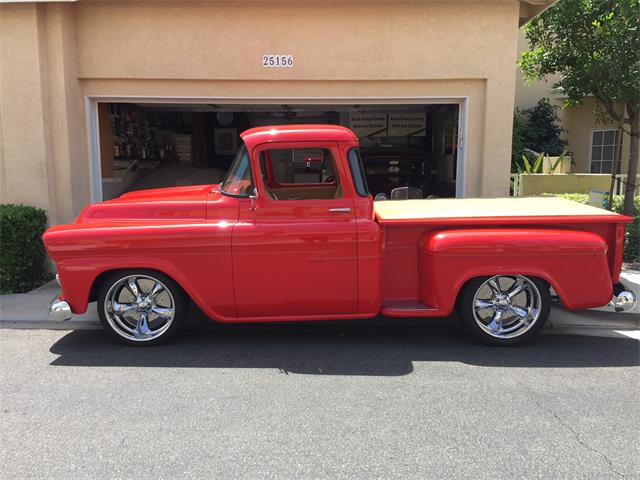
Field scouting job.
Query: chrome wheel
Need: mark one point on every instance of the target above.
(507, 306)
(139, 308)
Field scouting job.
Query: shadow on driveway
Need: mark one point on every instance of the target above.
(350, 348)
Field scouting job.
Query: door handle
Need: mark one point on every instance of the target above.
(340, 210)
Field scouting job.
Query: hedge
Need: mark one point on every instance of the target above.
(23, 261)
(632, 240)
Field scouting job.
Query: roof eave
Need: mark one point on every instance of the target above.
(529, 9)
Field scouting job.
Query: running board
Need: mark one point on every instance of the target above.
(410, 308)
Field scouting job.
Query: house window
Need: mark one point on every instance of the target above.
(603, 148)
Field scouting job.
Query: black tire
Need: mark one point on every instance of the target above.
(175, 300)
(467, 311)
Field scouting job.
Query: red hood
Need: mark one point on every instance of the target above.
(191, 192)
(174, 203)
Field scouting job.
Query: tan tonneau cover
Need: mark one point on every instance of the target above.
(393, 210)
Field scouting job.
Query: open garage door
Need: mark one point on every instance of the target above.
(147, 145)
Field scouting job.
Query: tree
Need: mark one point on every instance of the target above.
(594, 46)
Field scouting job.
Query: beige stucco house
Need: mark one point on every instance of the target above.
(591, 142)
(98, 95)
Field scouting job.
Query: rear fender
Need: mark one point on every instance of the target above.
(574, 263)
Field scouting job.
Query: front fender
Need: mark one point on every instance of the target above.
(197, 256)
(574, 263)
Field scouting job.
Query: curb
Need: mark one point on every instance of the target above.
(631, 280)
(49, 325)
(30, 311)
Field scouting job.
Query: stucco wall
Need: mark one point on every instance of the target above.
(213, 49)
(580, 122)
(22, 107)
(528, 94)
(41, 118)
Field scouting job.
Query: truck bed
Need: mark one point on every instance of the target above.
(499, 233)
(428, 210)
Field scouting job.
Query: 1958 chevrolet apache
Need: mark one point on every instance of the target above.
(292, 233)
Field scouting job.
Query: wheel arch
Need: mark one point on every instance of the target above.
(99, 280)
(81, 285)
(469, 279)
(562, 286)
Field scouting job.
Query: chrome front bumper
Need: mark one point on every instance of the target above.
(59, 309)
(623, 301)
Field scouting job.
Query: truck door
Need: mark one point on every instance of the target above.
(295, 245)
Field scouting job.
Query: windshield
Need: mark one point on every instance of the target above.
(239, 181)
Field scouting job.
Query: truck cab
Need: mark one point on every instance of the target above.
(305, 214)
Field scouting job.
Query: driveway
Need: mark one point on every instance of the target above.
(318, 401)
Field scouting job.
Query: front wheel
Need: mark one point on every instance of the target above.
(504, 309)
(141, 307)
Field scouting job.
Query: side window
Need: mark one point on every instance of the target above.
(300, 173)
(357, 173)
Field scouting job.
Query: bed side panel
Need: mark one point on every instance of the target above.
(573, 262)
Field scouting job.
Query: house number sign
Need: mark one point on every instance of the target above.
(270, 60)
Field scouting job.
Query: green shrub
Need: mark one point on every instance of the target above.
(632, 239)
(542, 132)
(23, 261)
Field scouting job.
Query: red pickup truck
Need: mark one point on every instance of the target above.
(293, 234)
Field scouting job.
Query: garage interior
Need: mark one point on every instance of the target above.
(164, 145)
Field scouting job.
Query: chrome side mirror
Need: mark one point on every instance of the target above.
(380, 196)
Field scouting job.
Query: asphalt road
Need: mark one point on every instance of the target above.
(318, 401)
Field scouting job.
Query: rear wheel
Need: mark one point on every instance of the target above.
(141, 307)
(504, 309)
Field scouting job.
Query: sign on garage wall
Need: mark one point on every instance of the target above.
(402, 124)
(368, 124)
(407, 124)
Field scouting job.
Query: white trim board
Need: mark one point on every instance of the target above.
(93, 149)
